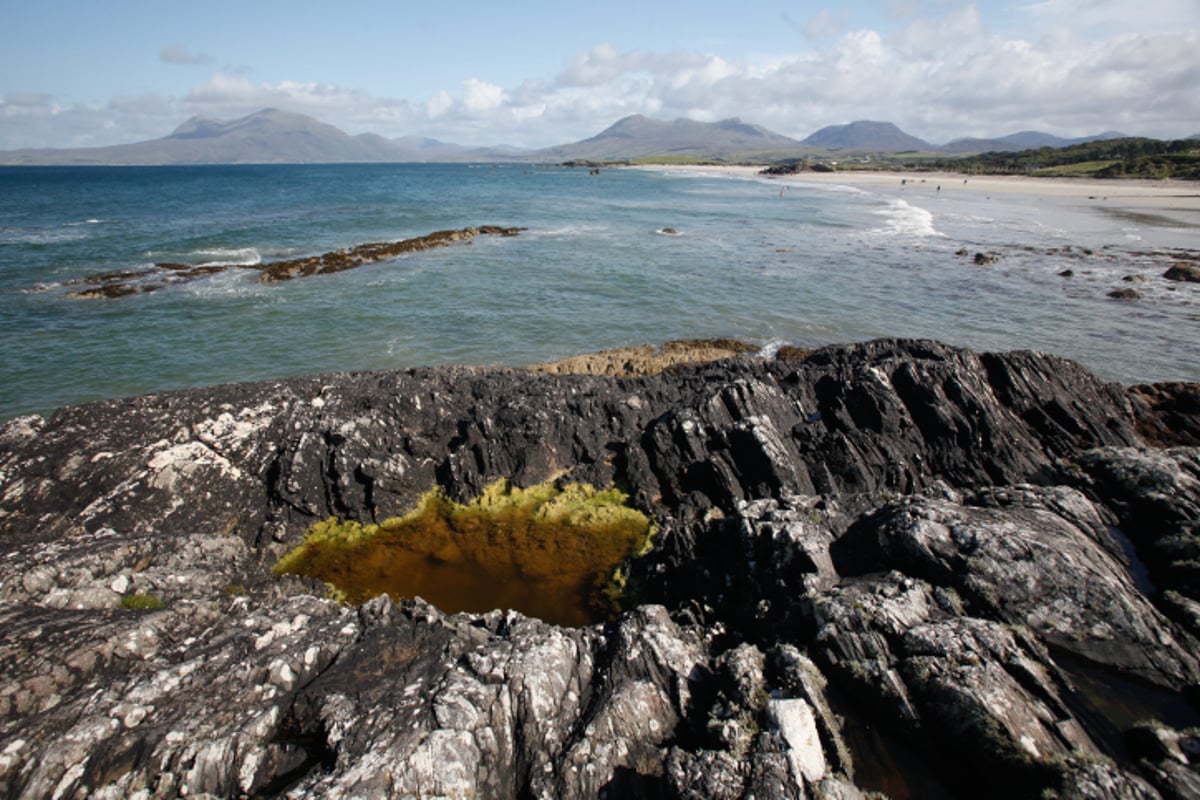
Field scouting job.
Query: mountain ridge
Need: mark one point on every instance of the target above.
(866, 135)
(272, 136)
(639, 136)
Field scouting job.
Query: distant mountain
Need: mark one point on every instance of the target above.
(866, 136)
(1023, 140)
(642, 137)
(266, 137)
(269, 136)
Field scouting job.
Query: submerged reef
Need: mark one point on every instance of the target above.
(894, 567)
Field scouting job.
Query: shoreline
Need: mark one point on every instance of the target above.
(1171, 195)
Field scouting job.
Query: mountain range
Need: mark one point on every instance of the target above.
(273, 136)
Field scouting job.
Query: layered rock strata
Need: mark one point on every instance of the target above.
(894, 567)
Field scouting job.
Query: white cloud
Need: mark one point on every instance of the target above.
(938, 78)
(439, 104)
(480, 97)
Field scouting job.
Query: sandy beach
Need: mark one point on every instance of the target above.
(1182, 196)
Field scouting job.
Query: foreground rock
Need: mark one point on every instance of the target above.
(895, 566)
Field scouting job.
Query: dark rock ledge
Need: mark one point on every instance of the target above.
(894, 566)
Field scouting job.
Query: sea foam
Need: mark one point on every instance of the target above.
(226, 257)
(903, 219)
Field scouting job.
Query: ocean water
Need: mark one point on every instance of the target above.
(596, 268)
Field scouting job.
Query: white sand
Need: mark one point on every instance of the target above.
(1144, 194)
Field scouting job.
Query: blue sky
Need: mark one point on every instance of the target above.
(76, 73)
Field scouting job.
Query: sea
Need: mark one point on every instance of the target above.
(623, 257)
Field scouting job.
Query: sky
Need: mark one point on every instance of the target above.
(77, 73)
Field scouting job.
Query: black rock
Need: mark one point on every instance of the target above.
(898, 536)
(1183, 271)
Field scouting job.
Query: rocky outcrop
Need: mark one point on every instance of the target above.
(111, 285)
(1182, 271)
(644, 360)
(896, 566)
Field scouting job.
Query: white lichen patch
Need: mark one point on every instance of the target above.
(794, 720)
(20, 430)
(176, 464)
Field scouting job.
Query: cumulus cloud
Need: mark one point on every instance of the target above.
(480, 97)
(174, 54)
(938, 78)
(225, 94)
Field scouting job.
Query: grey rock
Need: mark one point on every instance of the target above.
(1037, 557)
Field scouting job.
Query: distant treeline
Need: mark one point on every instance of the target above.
(1112, 158)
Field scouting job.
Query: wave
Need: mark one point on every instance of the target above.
(903, 219)
(225, 257)
(582, 229)
(835, 188)
(39, 236)
(41, 287)
(771, 348)
(225, 285)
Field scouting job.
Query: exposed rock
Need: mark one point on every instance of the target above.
(1183, 271)
(896, 535)
(1125, 294)
(123, 283)
(645, 360)
(358, 255)
(1167, 413)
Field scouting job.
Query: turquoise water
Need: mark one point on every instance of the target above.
(810, 265)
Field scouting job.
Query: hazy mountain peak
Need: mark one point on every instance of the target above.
(197, 126)
(882, 137)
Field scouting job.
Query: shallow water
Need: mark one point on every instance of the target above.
(810, 265)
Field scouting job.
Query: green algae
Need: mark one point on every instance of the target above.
(551, 551)
(141, 602)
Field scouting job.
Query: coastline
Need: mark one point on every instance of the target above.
(1171, 195)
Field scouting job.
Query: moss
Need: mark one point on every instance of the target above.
(235, 590)
(140, 602)
(551, 551)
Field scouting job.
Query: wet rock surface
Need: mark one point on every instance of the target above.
(893, 567)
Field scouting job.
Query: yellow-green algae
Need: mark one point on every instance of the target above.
(551, 551)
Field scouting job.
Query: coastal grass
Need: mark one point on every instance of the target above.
(1083, 169)
(552, 551)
